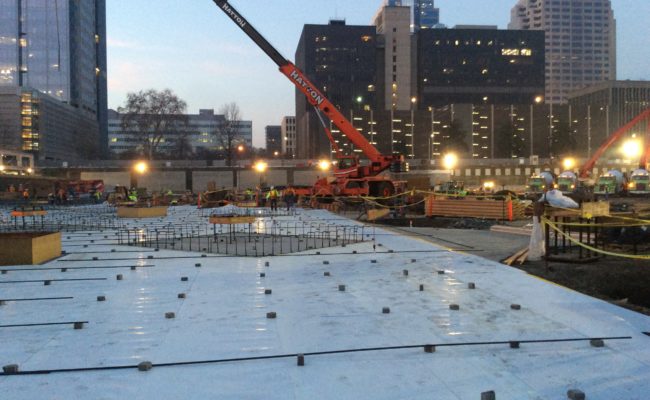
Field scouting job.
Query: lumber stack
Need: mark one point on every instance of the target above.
(470, 207)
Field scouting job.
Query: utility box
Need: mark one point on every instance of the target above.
(29, 248)
(141, 212)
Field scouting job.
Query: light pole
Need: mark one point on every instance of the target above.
(431, 136)
(240, 151)
(260, 167)
(413, 101)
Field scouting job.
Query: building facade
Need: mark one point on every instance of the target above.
(580, 42)
(202, 136)
(393, 25)
(58, 49)
(599, 110)
(425, 15)
(466, 74)
(273, 139)
(288, 134)
(51, 130)
(340, 60)
(479, 66)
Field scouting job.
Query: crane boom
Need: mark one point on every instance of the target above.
(586, 168)
(378, 161)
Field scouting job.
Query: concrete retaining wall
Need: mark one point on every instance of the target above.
(162, 180)
(200, 179)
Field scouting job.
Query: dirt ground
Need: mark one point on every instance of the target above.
(622, 281)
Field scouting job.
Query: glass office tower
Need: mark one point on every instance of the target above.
(58, 48)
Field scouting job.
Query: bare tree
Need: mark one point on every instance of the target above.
(230, 130)
(151, 115)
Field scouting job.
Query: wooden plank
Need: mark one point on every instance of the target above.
(28, 213)
(244, 219)
(375, 214)
(510, 260)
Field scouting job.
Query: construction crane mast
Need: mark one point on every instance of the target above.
(351, 178)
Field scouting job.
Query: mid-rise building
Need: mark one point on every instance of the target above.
(580, 42)
(57, 48)
(273, 139)
(202, 135)
(288, 133)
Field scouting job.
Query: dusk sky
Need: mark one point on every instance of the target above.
(192, 48)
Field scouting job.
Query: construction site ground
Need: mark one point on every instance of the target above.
(625, 282)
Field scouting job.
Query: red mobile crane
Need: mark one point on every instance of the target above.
(351, 178)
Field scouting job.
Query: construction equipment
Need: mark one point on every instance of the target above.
(639, 183)
(351, 177)
(627, 128)
(613, 182)
(452, 188)
(539, 183)
(567, 182)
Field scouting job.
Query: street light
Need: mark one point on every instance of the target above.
(141, 167)
(260, 166)
(568, 163)
(631, 148)
(324, 165)
(449, 162)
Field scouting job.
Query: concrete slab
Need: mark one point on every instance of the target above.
(216, 344)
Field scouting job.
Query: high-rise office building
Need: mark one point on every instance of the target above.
(580, 41)
(54, 51)
(340, 60)
(393, 23)
(425, 15)
(479, 65)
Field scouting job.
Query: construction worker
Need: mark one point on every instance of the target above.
(26, 195)
(249, 194)
(272, 196)
(98, 196)
(289, 198)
